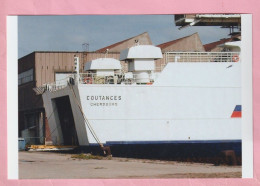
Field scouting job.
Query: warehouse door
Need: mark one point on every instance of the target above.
(66, 120)
(61, 79)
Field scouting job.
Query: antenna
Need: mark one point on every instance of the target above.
(85, 47)
(76, 67)
(106, 52)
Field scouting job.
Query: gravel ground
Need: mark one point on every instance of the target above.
(50, 165)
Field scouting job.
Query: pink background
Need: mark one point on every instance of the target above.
(61, 7)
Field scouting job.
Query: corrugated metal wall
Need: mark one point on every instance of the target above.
(143, 39)
(191, 43)
(27, 98)
(48, 63)
(26, 63)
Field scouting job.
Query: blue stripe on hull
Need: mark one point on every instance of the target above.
(238, 108)
(172, 149)
(170, 142)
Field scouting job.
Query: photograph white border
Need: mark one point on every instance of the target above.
(12, 97)
(247, 96)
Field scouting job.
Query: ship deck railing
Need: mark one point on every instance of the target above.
(127, 78)
(94, 78)
(170, 57)
(51, 87)
(201, 56)
(130, 79)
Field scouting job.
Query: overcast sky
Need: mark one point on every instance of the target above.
(68, 33)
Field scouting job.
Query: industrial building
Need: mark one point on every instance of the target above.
(36, 69)
(41, 67)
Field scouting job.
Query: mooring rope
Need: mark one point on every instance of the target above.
(85, 118)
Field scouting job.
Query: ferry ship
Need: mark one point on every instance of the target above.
(192, 108)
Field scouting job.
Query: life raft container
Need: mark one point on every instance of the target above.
(87, 80)
(235, 58)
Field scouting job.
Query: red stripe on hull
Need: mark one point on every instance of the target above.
(236, 114)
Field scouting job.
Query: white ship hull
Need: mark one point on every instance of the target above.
(194, 109)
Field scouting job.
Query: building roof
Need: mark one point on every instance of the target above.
(118, 43)
(210, 46)
(169, 43)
